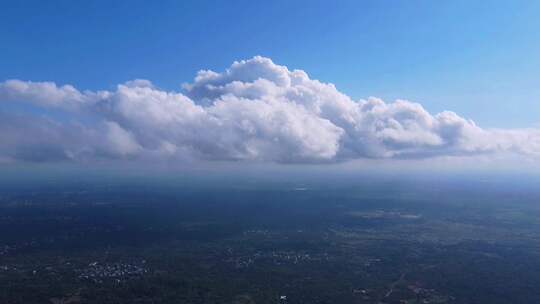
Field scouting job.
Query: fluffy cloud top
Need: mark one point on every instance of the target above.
(255, 110)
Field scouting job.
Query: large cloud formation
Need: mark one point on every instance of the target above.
(255, 110)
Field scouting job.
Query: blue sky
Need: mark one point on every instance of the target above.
(478, 58)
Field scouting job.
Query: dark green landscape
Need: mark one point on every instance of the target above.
(378, 241)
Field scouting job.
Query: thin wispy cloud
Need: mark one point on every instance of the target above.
(255, 110)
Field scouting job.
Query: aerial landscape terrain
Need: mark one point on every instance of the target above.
(317, 241)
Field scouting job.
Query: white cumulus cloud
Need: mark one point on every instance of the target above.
(255, 110)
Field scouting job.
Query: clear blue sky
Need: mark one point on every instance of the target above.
(478, 58)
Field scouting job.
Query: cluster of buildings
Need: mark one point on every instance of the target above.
(97, 272)
(276, 258)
